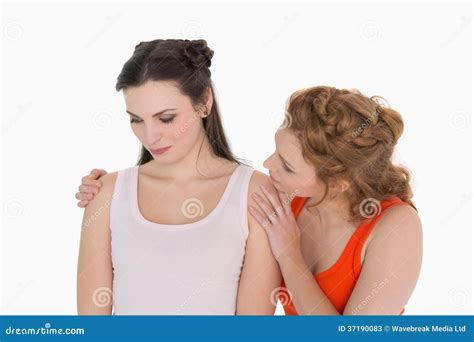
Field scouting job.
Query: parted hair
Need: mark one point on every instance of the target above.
(187, 63)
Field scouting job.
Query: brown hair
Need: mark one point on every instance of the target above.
(186, 62)
(347, 135)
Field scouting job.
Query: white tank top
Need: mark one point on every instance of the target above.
(186, 269)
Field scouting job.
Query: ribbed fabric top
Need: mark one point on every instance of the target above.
(185, 269)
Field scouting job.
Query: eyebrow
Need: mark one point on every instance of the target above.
(286, 162)
(156, 114)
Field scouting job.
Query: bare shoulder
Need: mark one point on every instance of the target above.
(102, 200)
(402, 222)
(108, 181)
(258, 178)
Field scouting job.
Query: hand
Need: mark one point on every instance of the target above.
(89, 187)
(273, 212)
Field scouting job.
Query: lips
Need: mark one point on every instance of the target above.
(159, 151)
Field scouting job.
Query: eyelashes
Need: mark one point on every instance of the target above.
(286, 168)
(166, 120)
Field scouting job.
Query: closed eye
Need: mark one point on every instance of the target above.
(164, 120)
(134, 120)
(286, 168)
(167, 120)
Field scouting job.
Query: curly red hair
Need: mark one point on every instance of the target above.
(347, 135)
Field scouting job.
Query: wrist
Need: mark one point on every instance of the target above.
(290, 259)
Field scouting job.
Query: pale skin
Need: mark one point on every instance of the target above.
(176, 176)
(313, 243)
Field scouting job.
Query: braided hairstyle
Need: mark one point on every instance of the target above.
(347, 135)
(186, 62)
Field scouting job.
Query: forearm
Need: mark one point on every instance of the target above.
(93, 297)
(307, 296)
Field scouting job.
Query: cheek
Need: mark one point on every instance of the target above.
(184, 132)
(309, 187)
(138, 131)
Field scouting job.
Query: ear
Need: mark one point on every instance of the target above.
(337, 187)
(209, 100)
(343, 185)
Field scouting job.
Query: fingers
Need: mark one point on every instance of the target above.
(90, 185)
(265, 207)
(91, 181)
(82, 204)
(273, 198)
(98, 173)
(261, 219)
(84, 196)
(92, 178)
(89, 189)
(285, 202)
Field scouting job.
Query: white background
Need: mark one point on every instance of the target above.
(61, 116)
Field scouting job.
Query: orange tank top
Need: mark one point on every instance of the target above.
(338, 281)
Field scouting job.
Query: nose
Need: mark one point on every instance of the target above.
(268, 162)
(153, 134)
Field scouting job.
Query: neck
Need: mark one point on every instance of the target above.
(332, 215)
(199, 163)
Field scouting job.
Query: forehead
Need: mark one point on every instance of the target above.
(287, 141)
(289, 147)
(153, 96)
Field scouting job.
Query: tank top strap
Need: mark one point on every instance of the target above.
(239, 195)
(120, 204)
(364, 230)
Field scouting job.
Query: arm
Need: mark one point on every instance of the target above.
(260, 275)
(386, 264)
(94, 272)
(392, 262)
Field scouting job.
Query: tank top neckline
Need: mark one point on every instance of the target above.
(185, 226)
(343, 256)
